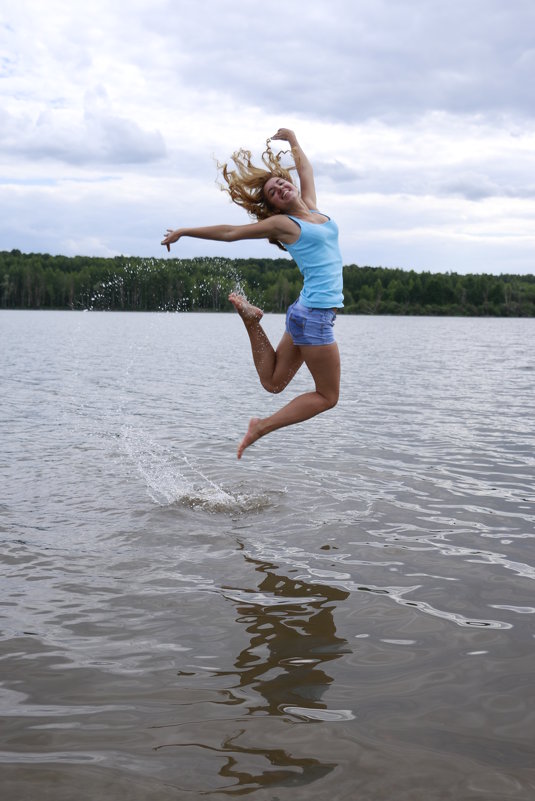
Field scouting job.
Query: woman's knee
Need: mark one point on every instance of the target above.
(270, 386)
(331, 400)
(329, 396)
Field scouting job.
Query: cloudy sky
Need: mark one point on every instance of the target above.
(418, 115)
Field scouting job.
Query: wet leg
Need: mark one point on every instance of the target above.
(275, 368)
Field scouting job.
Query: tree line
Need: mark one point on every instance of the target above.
(42, 281)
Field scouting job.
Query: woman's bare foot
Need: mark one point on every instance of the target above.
(253, 433)
(246, 310)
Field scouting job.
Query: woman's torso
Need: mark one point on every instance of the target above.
(317, 254)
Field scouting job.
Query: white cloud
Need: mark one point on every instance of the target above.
(418, 115)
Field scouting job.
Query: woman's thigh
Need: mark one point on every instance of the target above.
(288, 360)
(323, 361)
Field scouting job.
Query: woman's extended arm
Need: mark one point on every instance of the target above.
(276, 227)
(303, 165)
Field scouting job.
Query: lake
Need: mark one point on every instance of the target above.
(345, 613)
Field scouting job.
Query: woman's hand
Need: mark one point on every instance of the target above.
(170, 237)
(286, 135)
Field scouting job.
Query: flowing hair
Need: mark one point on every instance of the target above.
(245, 183)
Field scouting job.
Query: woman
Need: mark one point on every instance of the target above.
(289, 218)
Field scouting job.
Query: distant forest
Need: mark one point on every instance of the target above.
(41, 281)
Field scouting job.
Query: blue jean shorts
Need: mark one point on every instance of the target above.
(310, 326)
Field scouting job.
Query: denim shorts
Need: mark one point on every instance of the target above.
(310, 326)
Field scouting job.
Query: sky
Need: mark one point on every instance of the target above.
(418, 117)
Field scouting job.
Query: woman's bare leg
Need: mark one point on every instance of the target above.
(275, 368)
(323, 361)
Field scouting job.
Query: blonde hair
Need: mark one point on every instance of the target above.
(245, 183)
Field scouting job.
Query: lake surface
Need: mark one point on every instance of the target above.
(346, 613)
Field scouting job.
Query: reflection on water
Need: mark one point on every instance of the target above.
(280, 673)
(291, 642)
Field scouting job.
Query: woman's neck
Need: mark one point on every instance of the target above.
(299, 209)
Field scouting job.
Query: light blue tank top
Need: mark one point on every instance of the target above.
(318, 257)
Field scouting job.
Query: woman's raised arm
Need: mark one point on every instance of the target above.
(303, 165)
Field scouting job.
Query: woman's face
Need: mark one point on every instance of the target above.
(279, 193)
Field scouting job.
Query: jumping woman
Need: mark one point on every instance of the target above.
(289, 218)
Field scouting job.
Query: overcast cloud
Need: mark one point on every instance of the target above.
(419, 116)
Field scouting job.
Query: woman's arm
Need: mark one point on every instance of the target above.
(303, 165)
(276, 227)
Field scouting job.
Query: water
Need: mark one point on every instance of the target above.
(346, 613)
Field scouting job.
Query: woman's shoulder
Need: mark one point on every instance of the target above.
(283, 223)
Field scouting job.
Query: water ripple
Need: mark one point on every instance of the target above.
(171, 613)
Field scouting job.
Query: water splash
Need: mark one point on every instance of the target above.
(172, 478)
(176, 285)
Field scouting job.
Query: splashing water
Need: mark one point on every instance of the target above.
(171, 478)
(170, 285)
